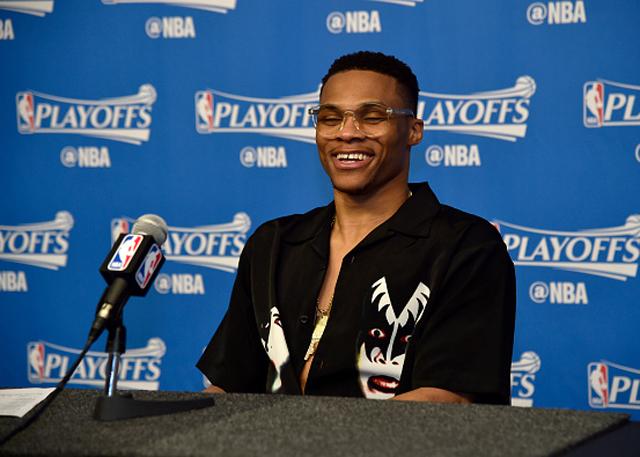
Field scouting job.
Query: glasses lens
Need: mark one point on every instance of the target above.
(328, 118)
(370, 119)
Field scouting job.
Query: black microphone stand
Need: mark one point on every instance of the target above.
(115, 406)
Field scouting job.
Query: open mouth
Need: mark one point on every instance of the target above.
(384, 384)
(352, 156)
(351, 160)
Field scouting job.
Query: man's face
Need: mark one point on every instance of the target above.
(380, 160)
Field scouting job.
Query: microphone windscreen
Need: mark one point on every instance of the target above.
(153, 225)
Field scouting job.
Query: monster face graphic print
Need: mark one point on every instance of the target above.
(276, 347)
(383, 342)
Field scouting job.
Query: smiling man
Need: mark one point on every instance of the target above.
(385, 292)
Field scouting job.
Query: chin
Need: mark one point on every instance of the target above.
(366, 184)
(352, 190)
(352, 186)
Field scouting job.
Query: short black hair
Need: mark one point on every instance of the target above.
(380, 63)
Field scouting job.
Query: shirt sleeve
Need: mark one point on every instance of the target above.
(466, 345)
(235, 359)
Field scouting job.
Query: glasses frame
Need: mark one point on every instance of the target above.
(315, 110)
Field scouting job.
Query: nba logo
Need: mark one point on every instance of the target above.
(593, 104)
(148, 267)
(127, 249)
(25, 110)
(118, 226)
(598, 385)
(35, 362)
(204, 111)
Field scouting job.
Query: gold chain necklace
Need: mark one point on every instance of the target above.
(322, 317)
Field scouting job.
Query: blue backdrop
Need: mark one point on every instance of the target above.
(195, 110)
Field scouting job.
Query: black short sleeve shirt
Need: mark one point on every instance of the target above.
(427, 299)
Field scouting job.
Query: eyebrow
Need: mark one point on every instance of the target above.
(334, 106)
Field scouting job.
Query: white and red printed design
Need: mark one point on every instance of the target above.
(613, 386)
(594, 104)
(127, 118)
(599, 385)
(383, 345)
(610, 104)
(149, 266)
(282, 117)
(118, 227)
(204, 111)
(127, 249)
(140, 368)
(24, 103)
(35, 354)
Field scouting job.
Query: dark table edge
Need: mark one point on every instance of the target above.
(621, 440)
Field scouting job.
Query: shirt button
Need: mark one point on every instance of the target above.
(304, 319)
(353, 258)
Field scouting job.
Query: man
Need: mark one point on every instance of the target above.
(384, 293)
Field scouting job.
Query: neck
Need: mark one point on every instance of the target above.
(358, 215)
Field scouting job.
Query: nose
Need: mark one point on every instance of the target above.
(350, 128)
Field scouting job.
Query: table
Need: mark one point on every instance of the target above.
(281, 425)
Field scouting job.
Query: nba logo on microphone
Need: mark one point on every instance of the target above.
(24, 105)
(149, 266)
(593, 104)
(121, 259)
(204, 111)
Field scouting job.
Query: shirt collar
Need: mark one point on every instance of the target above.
(413, 218)
(309, 225)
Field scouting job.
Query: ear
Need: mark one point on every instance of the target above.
(416, 131)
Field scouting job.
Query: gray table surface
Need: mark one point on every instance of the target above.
(248, 425)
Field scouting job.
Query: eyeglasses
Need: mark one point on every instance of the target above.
(372, 119)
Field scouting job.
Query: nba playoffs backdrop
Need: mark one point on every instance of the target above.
(196, 110)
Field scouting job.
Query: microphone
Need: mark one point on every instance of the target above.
(130, 268)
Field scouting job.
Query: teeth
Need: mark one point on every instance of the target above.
(351, 156)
